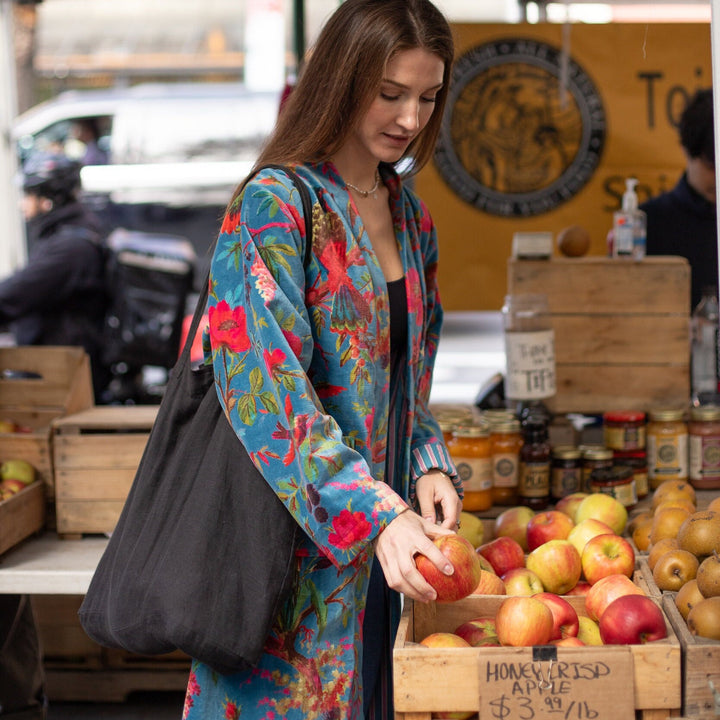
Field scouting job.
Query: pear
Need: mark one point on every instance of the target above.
(17, 470)
(471, 528)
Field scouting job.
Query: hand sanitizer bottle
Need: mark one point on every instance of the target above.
(629, 226)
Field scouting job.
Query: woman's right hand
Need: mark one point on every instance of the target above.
(407, 535)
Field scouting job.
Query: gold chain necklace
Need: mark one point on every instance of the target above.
(366, 193)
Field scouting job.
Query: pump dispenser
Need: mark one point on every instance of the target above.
(629, 226)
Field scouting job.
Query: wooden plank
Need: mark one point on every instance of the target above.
(596, 285)
(593, 388)
(636, 340)
(91, 484)
(21, 515)
(34, 448)
(98, 451)
(130, 418)
(87, 516)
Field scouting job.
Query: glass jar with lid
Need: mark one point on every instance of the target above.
(617, 481)
(704, 440)
(624, 430)
(506, 441)
(593, 457)
(667, 446)
(566, 471)
(469, 448)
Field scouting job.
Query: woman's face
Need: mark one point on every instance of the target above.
(402, 107)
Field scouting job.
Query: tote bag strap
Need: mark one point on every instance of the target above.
(307, 213)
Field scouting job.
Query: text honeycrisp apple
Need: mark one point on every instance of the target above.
(603, 507)
(503, 554)
(548, 525)
(608, 554)
(557, 564)
(589, 630)
(632, 620)
(479, 632)
(513, 523)
(464, 560)
(607, 589)
(565, 618)
(490, 584)
(444, 639)
(581, 588)
(521, 581)
(523, 621)
(585, 530)
(570, 503)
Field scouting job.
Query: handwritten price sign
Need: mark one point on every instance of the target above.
(558, 686)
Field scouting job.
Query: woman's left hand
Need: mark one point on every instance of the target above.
(434, 489)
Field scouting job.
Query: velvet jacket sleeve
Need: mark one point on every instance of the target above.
(262, 346)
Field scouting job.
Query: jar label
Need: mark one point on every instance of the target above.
(565, 481)
(530, 358)
(667, 457)
(625, 492)
(475, 473)
(704, 457)
(534, 480)
(624, 438)
(505, 470)
(642, 486)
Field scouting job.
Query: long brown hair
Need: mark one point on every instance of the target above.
(343, 74)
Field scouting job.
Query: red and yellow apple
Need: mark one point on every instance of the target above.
(565, 618)
(546, 526)
(585, 530)
(490, 584)
(570, 503)
(589, 630)
(557, 564)
(16, 469)
(464, 560)
(479, 632)
(581, 588)
(632, 620)
(603, 507)
(444, 639)
(523, 621)
(569, 641)
(521, 581)
(608, 554)
(503, 553)
(513, 523)
(607, 589)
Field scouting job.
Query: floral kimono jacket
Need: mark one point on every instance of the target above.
(301, 358)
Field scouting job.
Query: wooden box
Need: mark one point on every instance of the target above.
(427, 680)
(622, 332)
(64, 386)
(21, 515)
(96, 454)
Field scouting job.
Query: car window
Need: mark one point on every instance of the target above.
(60, 138)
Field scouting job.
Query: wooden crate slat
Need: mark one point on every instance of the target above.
(98, 451)
(129, 419)
(87, 516)
(89, 484)
(21, 515)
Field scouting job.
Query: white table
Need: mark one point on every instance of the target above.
(47, 565)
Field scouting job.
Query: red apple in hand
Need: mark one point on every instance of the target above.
(523, 621)
(565, 618)
(607, 589)
(521, 581)
(557, 564)
(466, 576)
(480, 632)
(546, 526)
(632, 620)
(513, 523)
(503, 554)
(605, 555)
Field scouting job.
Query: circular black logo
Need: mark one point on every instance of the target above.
(524, 128)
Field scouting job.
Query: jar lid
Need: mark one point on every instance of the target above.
(598, 452)
(667, 414)
(475, 430)
(624, 416)
(705, 412)
(629, 455)
(566, 452)
(614, 474)
(505, 427)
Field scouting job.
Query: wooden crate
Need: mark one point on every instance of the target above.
(21, 515)
(700, 667)
(96, 455)
(428, 680)
(622, 332)
(64, 386)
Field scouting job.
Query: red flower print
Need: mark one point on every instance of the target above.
(293, 341)
(232, 712)
(230, 221)
(349, 528)
(273, 359)
(228, 327)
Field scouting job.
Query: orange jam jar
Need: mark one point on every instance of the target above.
(506, 440)
(469, 448)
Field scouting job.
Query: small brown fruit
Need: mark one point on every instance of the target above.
(704, 618)
(674, 569)
(708, 576)
(672, 489)
(656, 550)
(641, 534)
(573, 241)
(714, 504)
(688, 596)
(667, 522)
(700, 533)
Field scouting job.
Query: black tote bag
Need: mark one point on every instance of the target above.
(203, 554)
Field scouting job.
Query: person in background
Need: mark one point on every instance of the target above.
(683, 221)
(324, 371)
(58, 297)
(87, 131)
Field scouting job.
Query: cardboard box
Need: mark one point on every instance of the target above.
(603, 682)
(96, 455)
(63, 385)
(21, 515)
(622, 331)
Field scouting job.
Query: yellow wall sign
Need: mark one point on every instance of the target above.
(542, 127)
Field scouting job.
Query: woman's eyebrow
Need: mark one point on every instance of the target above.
(401, 85)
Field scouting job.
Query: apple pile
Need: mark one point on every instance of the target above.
(10, 426)
(14, 476)
(683, 544)
(562, 551)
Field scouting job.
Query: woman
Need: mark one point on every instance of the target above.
(324, 371)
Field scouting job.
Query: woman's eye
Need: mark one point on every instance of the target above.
(387, 96)
(428, 99)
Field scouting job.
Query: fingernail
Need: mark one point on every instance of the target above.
(448, 569)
